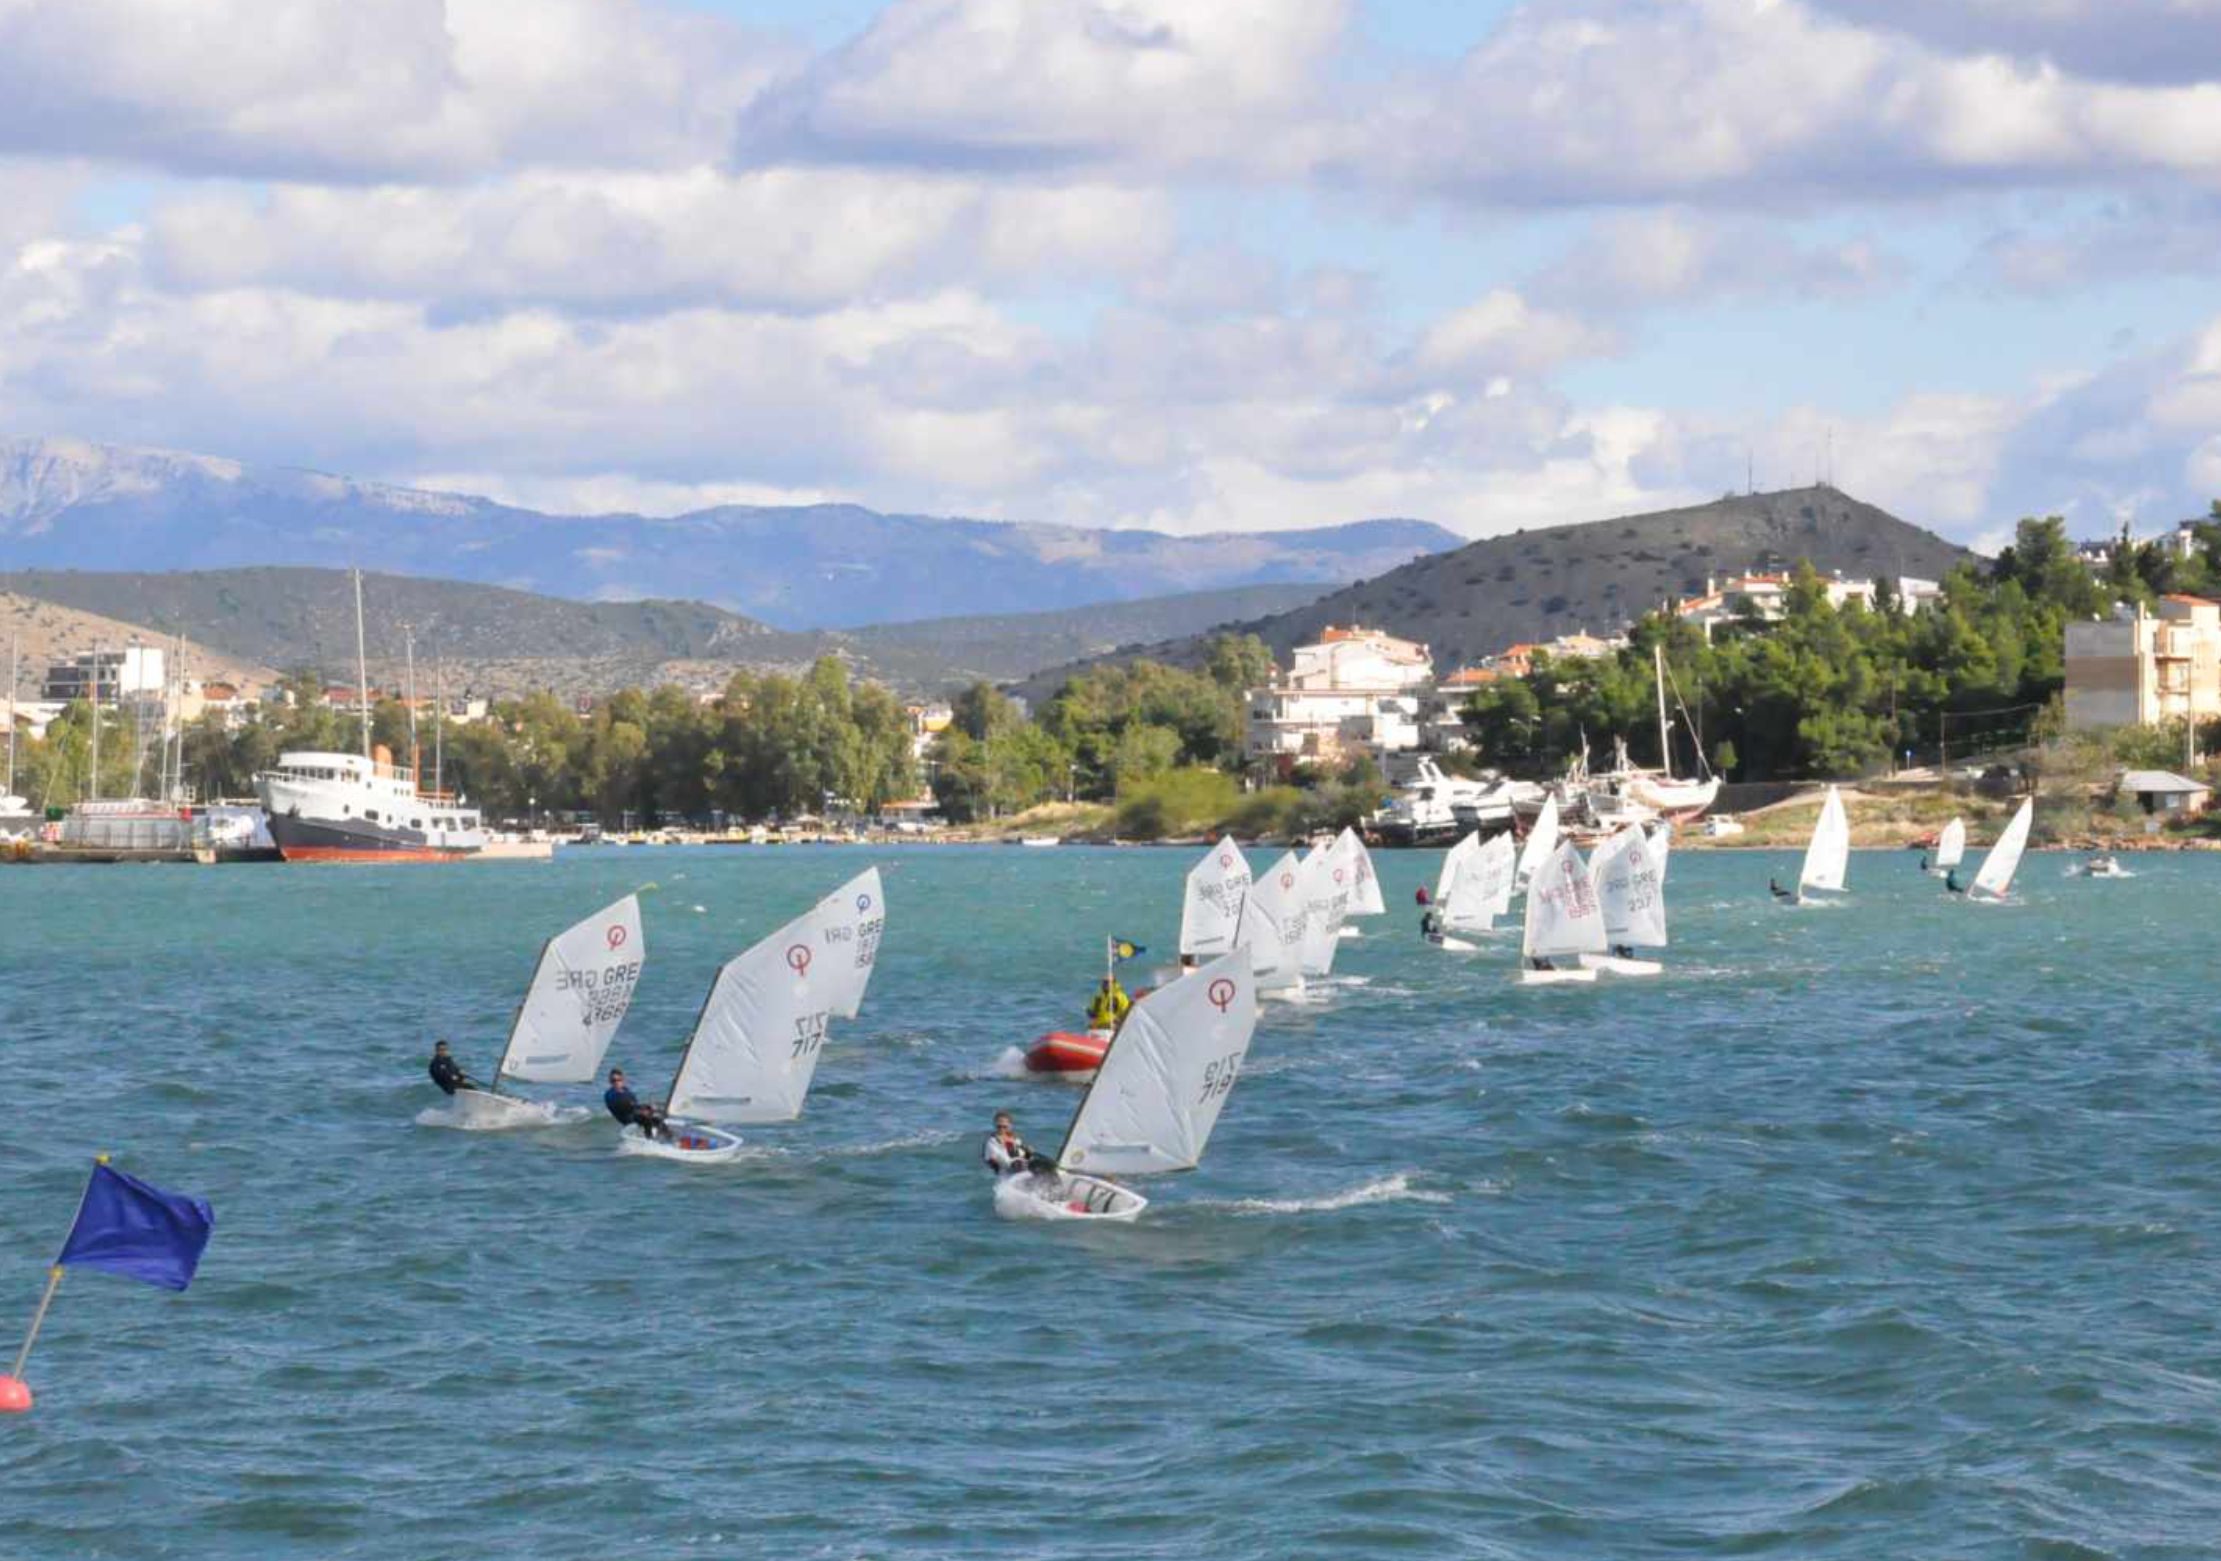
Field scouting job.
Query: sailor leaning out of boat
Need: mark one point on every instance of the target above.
(1005, 1152)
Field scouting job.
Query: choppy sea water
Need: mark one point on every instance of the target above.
(1886, 1228)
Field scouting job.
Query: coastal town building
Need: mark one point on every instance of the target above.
(2164, 793)
(2145, 668)
(1356, 690)
(113, 674)
(1764, 598)
(927, 722)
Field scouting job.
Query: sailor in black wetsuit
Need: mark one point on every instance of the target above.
(630, 1110)
(1951, 881)
(1779, 892)
(446, 1072)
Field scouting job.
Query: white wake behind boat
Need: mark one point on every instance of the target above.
(1564, 921)
(1996, 874)
(755, 1045)
(563, 1026)
(1155, 1099)
(1629, 871)
(1828, 854)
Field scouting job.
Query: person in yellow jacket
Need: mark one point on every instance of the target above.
(1107, 1009)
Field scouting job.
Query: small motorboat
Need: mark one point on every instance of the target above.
(2105, 865)
(1068, 1051)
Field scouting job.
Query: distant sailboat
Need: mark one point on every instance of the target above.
(1326, 881)
(755, 1045)
(1996, 874)
(1364, 884)
(1154, 1101)
(1273, 925)
(1828, 855)
(1564, 920)
(1951, 848)
(1211, 914)
(1542, 839)
(1475, 888)
(569, 1015)
(1630, 874)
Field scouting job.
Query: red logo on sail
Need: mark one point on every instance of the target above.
(1287, 880)
(1221, 994)
(617, 936)
(798, 959)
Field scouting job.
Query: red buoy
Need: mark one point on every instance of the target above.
(15, 1396)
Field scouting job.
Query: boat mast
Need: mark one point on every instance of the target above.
(439, 724)
(1665, 748)
(408, 645)
(362, 671)
(96, 723)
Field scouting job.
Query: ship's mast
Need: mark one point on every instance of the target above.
(96, 724)
(1665, 749)
(15, 673)
(439, 725)
(408, 651)
(362, 671)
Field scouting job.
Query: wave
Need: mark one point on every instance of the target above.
(549, 1115)
(1385, 1189)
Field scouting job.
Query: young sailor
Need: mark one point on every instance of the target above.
(1005, 1153)
(446, 1072)
(1779, 892)
(629, 1109)
(1430, 917)
(1951, 881)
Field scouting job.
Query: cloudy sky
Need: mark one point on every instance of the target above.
(1194, 264)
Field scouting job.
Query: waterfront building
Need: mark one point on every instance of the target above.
(2145, 668)
(1356, 690)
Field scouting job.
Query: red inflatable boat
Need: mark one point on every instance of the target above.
(1064, 1051)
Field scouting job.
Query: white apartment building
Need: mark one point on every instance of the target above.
(2139, 668)
(1356, 690)
(1766, 597)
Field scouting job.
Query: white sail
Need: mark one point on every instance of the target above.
(1273, 924)
(1542, 839)
(1484, 888)
(1951, 845)
(756, 1044)
(577, 999)
(1211, 916)
(1828, 857)
(1630, 874)
(1166, 1077)
(1998, 867)
(852, 919)
(1365, 899)
(1453, 862)
(1563, 916)
(1325, 881)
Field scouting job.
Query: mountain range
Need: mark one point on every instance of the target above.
(68, 504)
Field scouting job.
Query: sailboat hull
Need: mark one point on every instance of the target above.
(1620, 965)
(483, 1111)
(694, 1143)
(1066, 1196)
(1559, 977)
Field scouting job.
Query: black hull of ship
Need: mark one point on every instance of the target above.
(355, 840)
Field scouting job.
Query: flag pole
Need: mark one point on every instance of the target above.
(38, 1319)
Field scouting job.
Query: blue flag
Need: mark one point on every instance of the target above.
(131, 1228)
(1127, 948)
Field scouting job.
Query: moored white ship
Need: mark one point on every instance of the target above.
(341, 807)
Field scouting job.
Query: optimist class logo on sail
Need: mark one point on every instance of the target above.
(798, 959)
(1221, 994)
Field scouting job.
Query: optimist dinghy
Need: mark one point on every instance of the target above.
(1629, 870)
(1154, 1101)
(1564, 920)
(1951, 848)
(564, 1024)
(1475, 888)
(1364, 883)
(755, 1045)
(1996, 874)
(1542, 839)
(1828, 853)
(1273, 927)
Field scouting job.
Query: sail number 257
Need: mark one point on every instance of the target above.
(1219, 1075)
